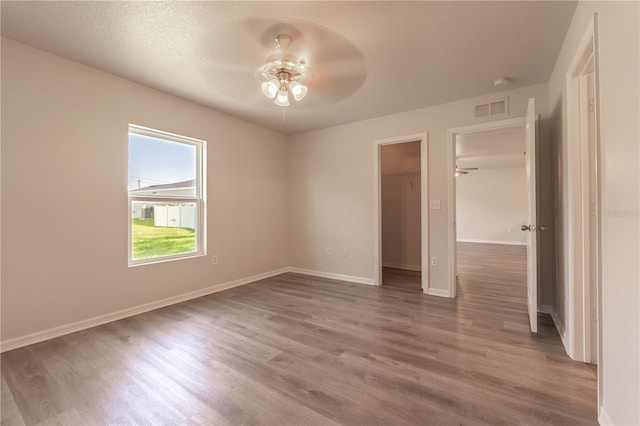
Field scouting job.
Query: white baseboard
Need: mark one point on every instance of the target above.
(604, 419)
(437, 292)
(331, 275)
(51, 333)
(546, 309)
(509, 243)
(401, 266)
(560, 327)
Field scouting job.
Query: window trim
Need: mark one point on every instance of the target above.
(199, 199)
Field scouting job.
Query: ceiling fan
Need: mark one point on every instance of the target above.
(464, 170)
(303, 60)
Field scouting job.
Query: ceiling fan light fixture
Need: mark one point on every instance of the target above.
(283, 73)
(270, 88)
(282, 99)
(299, 91)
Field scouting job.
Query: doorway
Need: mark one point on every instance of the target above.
(400, 208)
(491, 205)
(454, 163)
(400, 212)
(529, 123)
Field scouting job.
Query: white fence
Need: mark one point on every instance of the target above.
(174, 216)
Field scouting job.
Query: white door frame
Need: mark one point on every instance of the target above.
(451, 170)
(580, 170)
(424, 205)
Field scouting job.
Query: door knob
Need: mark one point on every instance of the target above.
(533, 228)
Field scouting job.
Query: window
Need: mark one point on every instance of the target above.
(166, 196)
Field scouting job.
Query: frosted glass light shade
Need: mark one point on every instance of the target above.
(298, 90)
(282, 98)
(270, 88)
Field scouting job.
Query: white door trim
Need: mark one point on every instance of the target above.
(424, 205)
(451, 185)
(578, 276)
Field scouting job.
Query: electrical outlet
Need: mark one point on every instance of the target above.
(434, 261)
(214, 259)
(345, 253)
(434, 204)
(327, 250)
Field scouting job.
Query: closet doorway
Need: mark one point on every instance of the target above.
(402, 219)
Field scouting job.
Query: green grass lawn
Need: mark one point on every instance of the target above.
(153, 241)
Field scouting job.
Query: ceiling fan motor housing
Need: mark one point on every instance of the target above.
(284, 63)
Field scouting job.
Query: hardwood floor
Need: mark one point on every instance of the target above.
(493, 277)
(298, 350)
(409, 281)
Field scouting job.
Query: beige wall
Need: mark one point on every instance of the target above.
(618, 48)
(64, 193)
(400, 204)
(331, 183)
(491, 205)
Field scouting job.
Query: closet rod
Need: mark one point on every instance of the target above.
(407, 173)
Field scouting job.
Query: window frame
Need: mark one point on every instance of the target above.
(199, 199)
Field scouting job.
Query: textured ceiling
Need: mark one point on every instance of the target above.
(387, 57)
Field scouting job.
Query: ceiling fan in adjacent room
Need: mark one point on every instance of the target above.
(464, 170)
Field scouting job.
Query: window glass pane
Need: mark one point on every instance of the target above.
(162, 229)
(161, 168)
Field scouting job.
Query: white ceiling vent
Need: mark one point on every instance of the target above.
(496, 108)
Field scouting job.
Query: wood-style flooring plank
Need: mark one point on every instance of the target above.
(300, 350)
(9, 411)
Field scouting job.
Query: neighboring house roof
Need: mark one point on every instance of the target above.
(164, 187)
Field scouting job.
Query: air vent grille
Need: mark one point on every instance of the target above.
(495, 108)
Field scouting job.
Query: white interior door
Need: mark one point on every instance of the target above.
(532, 227)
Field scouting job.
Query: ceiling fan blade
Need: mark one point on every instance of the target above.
(233, 81)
